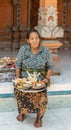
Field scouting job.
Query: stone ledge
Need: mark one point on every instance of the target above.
(57, 65)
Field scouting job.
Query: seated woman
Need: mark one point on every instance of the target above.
(33, 57)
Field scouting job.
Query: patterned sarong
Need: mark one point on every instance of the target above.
(29, 102)
(32, 102)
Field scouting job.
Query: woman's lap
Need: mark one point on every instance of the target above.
(31, 102)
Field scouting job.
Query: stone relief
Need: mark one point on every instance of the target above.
(48, 23)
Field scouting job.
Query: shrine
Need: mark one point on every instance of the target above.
(50, 17)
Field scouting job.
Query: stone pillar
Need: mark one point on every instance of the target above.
(49, 30)
(46, 3)
(48, 20)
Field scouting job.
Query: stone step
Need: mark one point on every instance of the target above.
(59, 101)
(49, 93)
(55, 101)
(58, 96)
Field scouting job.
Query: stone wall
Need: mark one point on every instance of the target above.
(6, 13)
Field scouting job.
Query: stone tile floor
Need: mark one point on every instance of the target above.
(54, 119)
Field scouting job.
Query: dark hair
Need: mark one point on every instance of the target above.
(31, 31)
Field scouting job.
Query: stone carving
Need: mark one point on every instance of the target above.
(14, 2)
(48, 23)
(41, 17)
(19, 8)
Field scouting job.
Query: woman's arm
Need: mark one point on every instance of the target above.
(18, 71)
(49, 73)
(19, 62)
(49, 66)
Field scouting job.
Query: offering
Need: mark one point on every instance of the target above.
(8, 60)
(7, 69)
(30, 83)
(7, 63)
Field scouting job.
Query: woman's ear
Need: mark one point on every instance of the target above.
(27, 40)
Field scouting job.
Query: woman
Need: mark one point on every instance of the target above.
(33, 57)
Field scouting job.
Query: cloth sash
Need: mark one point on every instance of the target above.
(41, 71)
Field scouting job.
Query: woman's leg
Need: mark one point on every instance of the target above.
(42, 106)
(20, 117)
(19, 97)
(38, 121)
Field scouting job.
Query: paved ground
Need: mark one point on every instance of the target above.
(54, 119)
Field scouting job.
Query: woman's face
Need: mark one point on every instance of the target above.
(34, 40)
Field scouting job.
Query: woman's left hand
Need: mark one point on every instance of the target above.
(45, 80)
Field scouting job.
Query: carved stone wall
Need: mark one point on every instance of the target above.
(48, 23)
(66, 23)
(64, 13)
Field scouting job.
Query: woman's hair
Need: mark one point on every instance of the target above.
(31, 31)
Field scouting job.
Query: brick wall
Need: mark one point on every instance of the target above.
(5, 13)
(69, 16)
(24, 11)
(59, 9)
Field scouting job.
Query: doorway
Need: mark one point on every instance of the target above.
(34, 6)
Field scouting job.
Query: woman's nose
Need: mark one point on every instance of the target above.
(34, 40)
